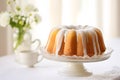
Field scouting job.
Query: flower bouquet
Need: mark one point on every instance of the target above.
(20, 18)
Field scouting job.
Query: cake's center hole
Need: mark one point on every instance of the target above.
(71, 27)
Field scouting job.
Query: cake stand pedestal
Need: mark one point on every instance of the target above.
(75, 69)
(75, 65)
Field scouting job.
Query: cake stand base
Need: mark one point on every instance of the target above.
(75, 69)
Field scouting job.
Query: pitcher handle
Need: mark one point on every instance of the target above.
(39, 43)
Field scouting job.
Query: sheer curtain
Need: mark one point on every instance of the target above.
(111, 18)
(100, 13)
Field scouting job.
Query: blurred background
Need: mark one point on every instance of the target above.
(104, 14)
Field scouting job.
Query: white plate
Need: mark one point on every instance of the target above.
(63, 58)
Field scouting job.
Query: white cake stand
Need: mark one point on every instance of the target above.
(75, 65)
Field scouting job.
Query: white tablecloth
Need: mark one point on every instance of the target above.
(49, 70)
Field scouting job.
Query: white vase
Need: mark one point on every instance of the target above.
(26, 43)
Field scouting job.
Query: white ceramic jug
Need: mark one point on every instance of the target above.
(27, 43)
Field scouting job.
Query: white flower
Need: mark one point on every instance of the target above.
(29, 8)
(4, 19)
(37, 18)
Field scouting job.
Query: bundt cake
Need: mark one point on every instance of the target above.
(84, 41)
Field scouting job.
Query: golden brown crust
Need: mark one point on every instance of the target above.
(79, 46)
(101, 41)
(89, 45)
(70, 43)
(51, 41)
(62, 48)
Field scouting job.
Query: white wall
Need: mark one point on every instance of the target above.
(5, 35)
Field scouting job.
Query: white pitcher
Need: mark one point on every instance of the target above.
(27, 43)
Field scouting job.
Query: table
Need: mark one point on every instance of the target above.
(49, 70)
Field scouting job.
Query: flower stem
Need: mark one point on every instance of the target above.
(20, 37)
